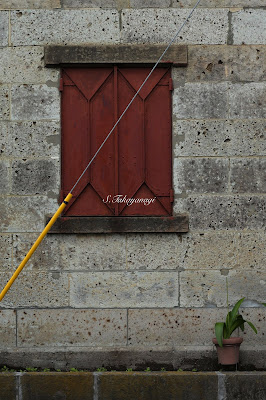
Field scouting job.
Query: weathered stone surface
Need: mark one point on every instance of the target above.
(72, 328)
(25, 213)
(4, 103)
(157, 26)
(46, 256)
(258, 317)
(8, 328)
(92, 252)
(223, 63)
(57, 386)
(111, 54)
(248, 175)
(25, 65)
(169, 327)
(31, 4)
(30, 102)
(35, 177)
(36, 289)
(89, 3)
(3, 28)
(155, 251)
(126, 289)
(157, 386)
(150, 3)
(200, 175)
(208, 288)
(249, 26)
(8, 386)
(247, 100)
(4, 177)
(219, 138)
(251, 249)
(6, 251)
(244, 386)
(227, 212)
(222, 3)
(199, 101)
(211, 250)
(32, 139)
(49, 27)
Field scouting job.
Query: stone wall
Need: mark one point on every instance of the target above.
(136, 293)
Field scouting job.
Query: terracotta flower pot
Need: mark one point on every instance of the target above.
(229, 353)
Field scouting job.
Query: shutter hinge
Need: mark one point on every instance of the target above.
(171, 195)
(61, 85)
(171, 86)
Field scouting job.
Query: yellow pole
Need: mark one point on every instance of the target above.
(35, 245)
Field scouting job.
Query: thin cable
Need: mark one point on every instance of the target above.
(133, 98)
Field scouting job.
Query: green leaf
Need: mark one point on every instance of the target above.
(219, 329)
(264, 304)
(236, 308)
(252, 326)
(239, 321)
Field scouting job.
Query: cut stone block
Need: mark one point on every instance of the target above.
(208, 288)
(155, 251)
(8, 328)
(31, 102)
(89, 3)
(124, 289)
(6, 252)
(159, 25)
(33, 289)
(40, 27)
(92, 252)
(201, 175)
(55, 328)
(25, 65)
(3, 28)
(4, 103)
(200, 101)
(31, 4)
(249, 26)
(219, 138)
(248, 175)
(4, 177)
(247, 100)
(35, 177)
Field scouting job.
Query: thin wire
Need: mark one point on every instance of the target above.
(133, 98)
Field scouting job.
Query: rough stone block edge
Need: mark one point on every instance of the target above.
(114, 54)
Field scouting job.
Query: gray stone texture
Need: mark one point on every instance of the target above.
(199, 101)
(223, 63)
(249, 26)
(3, 28)
(155, 251)
(25, 65)
(124, 289)
(36, 289)
(219, 138)
(248, 175)
(200, 175)
(6, 251)
(42, 27)
(31, 4)
(90, 3)
(150, 3)
(31, 102)
(169, 327)
(4, 177)
(45, 258)
(223, 212)
(8, 328)
(53, 328)
(25, 213)
(158, 26)
(32, 177)
(31, 139)
(247, 100)
(222, 3)
(92, 252)
(208, 288)
(4, 103)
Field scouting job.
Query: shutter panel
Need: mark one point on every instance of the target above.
(136, 159)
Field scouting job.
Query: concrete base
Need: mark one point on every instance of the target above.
(133, 385)
(120, 359)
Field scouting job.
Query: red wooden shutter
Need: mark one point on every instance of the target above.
(136, 160)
